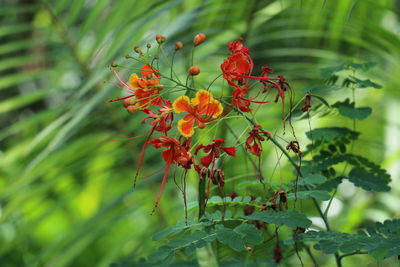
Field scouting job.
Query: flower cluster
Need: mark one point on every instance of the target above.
(148, 93)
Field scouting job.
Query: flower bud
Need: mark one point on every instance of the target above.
(194, 70)
(160, 39)
(131, 109)
(178, 46)
(148, 45)
(137, 49)
(199, 38)
(114, 65)
(127, 102)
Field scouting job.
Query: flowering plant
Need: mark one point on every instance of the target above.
(273, 214)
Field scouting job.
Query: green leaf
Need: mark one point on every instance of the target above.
(360, 66)
(365, 83)
(330, 133)
(317, 194)
(348, 110)
(311, 179)
(330, 184)
(231, 238)
(250, 233)
(327, 72)
(179, 227)
(381, 242)
(161, 254)
(291, 218)
(368, 181)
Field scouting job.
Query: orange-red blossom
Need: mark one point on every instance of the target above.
(200, 110)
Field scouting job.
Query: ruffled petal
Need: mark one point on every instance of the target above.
(185, 127)
(182, 104)
(202, 98)
(231, 151)
(206, 160)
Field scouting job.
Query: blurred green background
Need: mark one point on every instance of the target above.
(65, 190)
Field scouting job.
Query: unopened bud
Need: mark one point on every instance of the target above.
(127, 56)
(137, 49)
(148, 45)
(194, 70)
(131, 109)
(160, 39)
(199, 38)
(127, 102)
(178, 46)
(156, 57)
(114, 65)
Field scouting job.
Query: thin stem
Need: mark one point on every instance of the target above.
(308, 250)
(352, 253)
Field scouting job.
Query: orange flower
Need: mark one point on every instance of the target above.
(146, 88)
(201, 110)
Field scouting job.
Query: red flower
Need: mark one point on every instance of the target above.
(174, 153)
(239, 100)
(253, 142)
(237, 46)
(237, 65)
(162, 121)
(214, 151)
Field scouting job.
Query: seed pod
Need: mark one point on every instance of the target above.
(178, 46)
(160, 39)
(131, 109)
(194, 70)
(127, 102)
(199, 38)
(277, 254)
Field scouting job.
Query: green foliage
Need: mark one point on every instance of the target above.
(331, 133)
(348, 110)
(290, 218)
(367, 180)
(310, 194)
(381, 242)
(65, 189)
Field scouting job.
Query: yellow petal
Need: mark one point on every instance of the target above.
(186, 127)
(133, 81)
